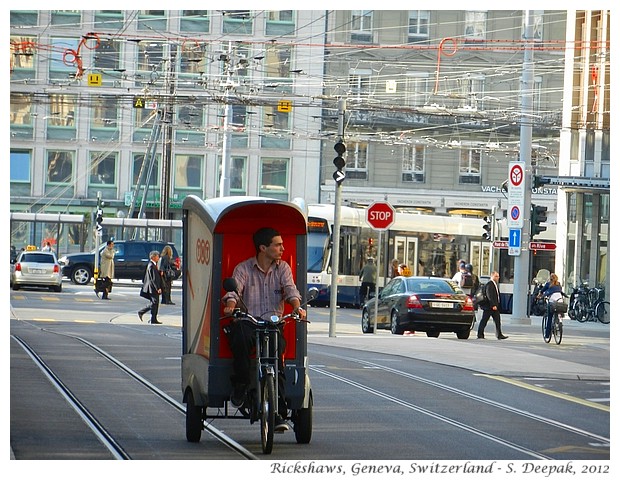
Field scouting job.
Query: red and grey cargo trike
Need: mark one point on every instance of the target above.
(217, 235)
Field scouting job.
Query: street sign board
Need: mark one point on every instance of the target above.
(500, 244)
(516, 194)
(542, 246)
(380, 215)
(514, 237)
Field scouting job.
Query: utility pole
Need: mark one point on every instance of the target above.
(168, 136)
(338, 177)
(225, 174)
(522, 261)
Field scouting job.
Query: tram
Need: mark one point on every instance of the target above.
(428, 244)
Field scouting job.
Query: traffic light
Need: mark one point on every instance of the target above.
(339, 162)
(538, 181)
(487, 227)
(538, 216)
(99, 220)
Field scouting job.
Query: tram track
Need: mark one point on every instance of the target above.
(100, 431)
(593, 438)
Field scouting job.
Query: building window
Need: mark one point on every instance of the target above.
(274, 177)
(359, 84)
(152, 20)
(103, 168)
(413, 164)
(150, 63)
(22, 57)
(469, 166)
(67, 18)
(61, 122)
(237, 175)
(193, 54)
(20, 166)
(280, 22)
(188, 171)
(277, 128)
(471, 90)
(24, 18)
(195, 21)
(277, 61)
(357, 161)
(63, 64)
(107, 56)
(418, 26)
(361, 26)
(417, 89)
(109, 19)
(475, 25)
(237, 22)
(59, 166)
(141, 176)
(21, 109)
(104, 112)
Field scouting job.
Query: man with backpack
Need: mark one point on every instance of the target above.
(465, 279)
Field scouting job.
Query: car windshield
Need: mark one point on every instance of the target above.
(37, 258)
(422, 285)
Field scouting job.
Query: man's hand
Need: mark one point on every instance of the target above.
(230, 306)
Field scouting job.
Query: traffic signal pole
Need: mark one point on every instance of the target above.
(522, 261)
(333, 298)
(98, 234)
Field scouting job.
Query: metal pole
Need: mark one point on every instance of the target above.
(97, 238)
(225, 174)
(521, 271)
(374, 324)
(333, 298)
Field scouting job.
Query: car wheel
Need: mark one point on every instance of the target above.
(58, 288)
(81, 275)
(366, 326)
(15, 286)
(463, 334)
(432, 333)
(396, 330)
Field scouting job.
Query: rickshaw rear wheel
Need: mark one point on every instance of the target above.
(267, 414)
(193, 420)
(302, 420)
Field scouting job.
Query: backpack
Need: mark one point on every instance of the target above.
(480, 297)
(467, 281)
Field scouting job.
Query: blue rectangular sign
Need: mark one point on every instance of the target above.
(514, 237)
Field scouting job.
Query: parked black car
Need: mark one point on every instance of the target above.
(421, 304)
(130, 261)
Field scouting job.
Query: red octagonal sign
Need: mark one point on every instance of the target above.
(380, 215)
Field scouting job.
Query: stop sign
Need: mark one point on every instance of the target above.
(380, 215)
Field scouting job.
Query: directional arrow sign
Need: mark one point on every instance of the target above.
(514, 237)
(339, 176)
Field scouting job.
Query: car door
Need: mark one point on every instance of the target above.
(383, 305)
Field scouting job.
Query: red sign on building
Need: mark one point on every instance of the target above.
(542, 246)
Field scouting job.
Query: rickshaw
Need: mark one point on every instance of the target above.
(217, 235)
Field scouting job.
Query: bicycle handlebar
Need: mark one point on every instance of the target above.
(238, 314)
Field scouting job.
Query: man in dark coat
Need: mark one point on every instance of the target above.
(151, 288)
(491, 308)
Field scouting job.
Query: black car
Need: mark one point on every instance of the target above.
(130, 261)
(421, 304)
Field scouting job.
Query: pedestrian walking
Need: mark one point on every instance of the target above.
(166, 268)
(107, 269)
(490, 308)
(368, 276)
(151, 288)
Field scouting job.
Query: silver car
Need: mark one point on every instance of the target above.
(36, 268)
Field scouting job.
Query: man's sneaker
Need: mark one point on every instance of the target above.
(280, 425)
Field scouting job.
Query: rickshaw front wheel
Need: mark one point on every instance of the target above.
(302, 420)
(267, 414)
(193, 420)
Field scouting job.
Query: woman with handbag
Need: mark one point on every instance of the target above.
(166, 267)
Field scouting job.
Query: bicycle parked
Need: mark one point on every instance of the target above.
(589, 304)
(554, 326)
